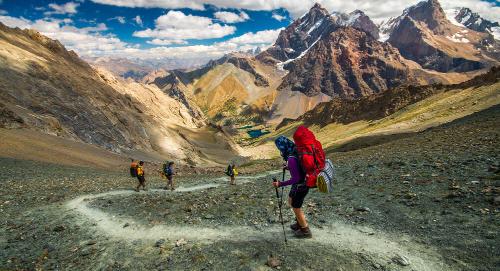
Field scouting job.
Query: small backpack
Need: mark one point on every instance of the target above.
(133, 169)
(229, 170)
(165, 167)
(311, 154)
(169, 172)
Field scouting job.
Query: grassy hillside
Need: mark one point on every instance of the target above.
(443, 107)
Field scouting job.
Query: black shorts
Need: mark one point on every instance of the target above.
(141, 179)
(298, 194)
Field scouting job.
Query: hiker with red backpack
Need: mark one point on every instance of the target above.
(309, 169)
(299, 189)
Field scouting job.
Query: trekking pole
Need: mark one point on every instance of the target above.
(280, 203)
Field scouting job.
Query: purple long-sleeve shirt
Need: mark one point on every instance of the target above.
(295, 172)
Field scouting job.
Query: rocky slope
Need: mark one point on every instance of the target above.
(234, 88)
(384, 104)
(47, 88)
(347, 63)
(424, 34)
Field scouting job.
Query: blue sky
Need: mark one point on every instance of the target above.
(185, 29)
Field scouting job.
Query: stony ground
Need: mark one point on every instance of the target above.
(427, 201)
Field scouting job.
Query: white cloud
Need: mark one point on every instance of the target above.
(68, 8)
(120, 19)
(260, 37)
(87, 41)
(377, 9)
(166, 42)
(175, 25)
(278, 17)
(91, 42)
(138, 20)
(15, 22)
(231, 17)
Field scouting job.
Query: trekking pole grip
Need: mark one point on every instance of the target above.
(276, 188)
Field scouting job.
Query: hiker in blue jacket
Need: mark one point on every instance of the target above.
(169, 173)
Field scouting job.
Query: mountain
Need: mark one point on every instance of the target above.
(359, 20)
(46, 88)
(467, 18)
(137, 68)
(347, 63)
(235, 88)
(324, 55)
(122, 67)
(327, 55)
(425, 35)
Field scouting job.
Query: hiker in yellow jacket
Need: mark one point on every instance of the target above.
(140, 176)
(232, 172)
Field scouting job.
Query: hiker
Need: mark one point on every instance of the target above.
(133, 168)
(140, 176)
(232, 172)
(169, 173)
(299, 189)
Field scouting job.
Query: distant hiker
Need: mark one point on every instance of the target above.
(299, 189)
(168, 170)
(133, 168)
(140, 176)
(232, 172)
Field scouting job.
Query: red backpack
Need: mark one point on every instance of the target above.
(311, 154)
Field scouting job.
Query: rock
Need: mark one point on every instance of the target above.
(273, 262)
(91, 243)
(159, 243)
(209, 216)
(126, 225)
(59, 228)
(496, 200)
(180, 242)
(363, 209)
(492, 168)
(49, 247)
(376, 265)
(401, 260)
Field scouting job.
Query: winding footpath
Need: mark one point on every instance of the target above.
(358, 239)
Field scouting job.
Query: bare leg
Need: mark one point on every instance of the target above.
(299, 215)
(301, 218)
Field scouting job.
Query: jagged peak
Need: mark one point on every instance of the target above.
(429, 12)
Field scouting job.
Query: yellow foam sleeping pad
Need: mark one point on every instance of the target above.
(321, 184)
(235, 172)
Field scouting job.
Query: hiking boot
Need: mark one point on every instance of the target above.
(295, 226)
(303, 233)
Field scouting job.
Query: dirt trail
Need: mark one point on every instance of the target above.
(378, 246)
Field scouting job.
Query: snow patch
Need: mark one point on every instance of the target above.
(383, 37)
(280, 65)
(451, 14)
(316, 25)
(458, 38)
(352, 19)
(495, 31)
